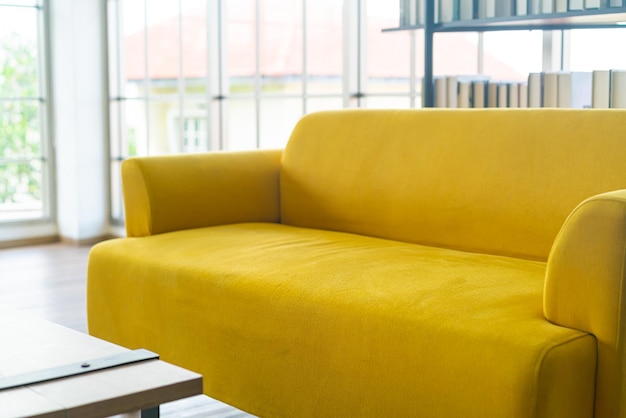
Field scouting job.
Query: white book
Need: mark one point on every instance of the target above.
(479, 96)
(452, 91)
(521, 7)
(550, 89)
(440, 92)
(523, 95)
(446, 11)
(616, 3)
(601, 89)
(560, 6)
(421, 12)
(535, 93)
(412, 12)
(486, 9)
(464, 94)
(618, 89)
(576, 4)
(403, 12)
(514, 95)
(503, 95)
(582, 86)
(466, 9)
(492, 95)
(534, 7)
(564, 90)
(593, 4)
(504, 8)
(547, 6)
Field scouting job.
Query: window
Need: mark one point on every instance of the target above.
(24, 160)
(199, 75)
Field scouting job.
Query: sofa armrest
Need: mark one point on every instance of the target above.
(169, 193)
(585, 289)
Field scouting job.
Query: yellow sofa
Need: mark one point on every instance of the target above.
(416, 263)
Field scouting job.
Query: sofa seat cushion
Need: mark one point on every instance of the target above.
(424, 331)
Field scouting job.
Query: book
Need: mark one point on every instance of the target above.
(403, 13)
(513, 94)
(440, 92)
(550, 89)
(486, 9)
(560, 6)
(601, 89)
(618, 89)
(448, 10)
(616, 3)
(523, 95)
(582, 87)
(521, 7)
(466, 10)
(535, 93)
(412, 12)
(492, 95)
(547, 6)
(534, 7)
(505, 8)
(478, 94)
(464, 94)
(452, 91)
(503, 95)
(596, 4)
(421, 12)
(575, 4)
(564, 89)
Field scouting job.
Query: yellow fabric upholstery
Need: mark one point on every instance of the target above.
(293, 322)
(585, 289)
(500, 182)
(386, 263)
(163, 194)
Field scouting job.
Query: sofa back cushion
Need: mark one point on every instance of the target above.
(498, 181)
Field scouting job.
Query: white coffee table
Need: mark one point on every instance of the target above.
(31, 346)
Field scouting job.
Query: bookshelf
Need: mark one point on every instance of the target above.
(608, 17)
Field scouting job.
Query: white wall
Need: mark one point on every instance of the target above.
(78, 113)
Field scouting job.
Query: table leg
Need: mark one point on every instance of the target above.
(151, 413)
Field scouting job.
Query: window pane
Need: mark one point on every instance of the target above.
(132, 52)
(453, 54)
(117, 210)
(511, 56)
(280, 38)
(21, 191)
(19, 129)
(18, 52)
(241, 124)
(164, 48)
(597, 49)
(388, 55)
(133, 129)
(194, 45)
(324, 52)
(387, 103)
(278, 118)
(324, 103)
(241, 45)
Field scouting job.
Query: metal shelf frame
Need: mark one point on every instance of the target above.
(605, 18)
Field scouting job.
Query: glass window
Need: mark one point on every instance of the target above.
(597, 49)
(511, 56)
(24, 166)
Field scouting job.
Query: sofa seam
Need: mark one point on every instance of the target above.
(148, 193)
(543, 355)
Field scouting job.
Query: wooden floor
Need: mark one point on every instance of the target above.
(48, 281)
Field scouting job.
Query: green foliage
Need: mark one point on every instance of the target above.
(19, 120)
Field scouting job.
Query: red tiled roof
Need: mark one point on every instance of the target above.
(281, 46)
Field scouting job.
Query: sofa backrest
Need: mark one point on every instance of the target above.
(498, 181)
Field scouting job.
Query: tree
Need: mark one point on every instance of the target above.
(20, 141)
